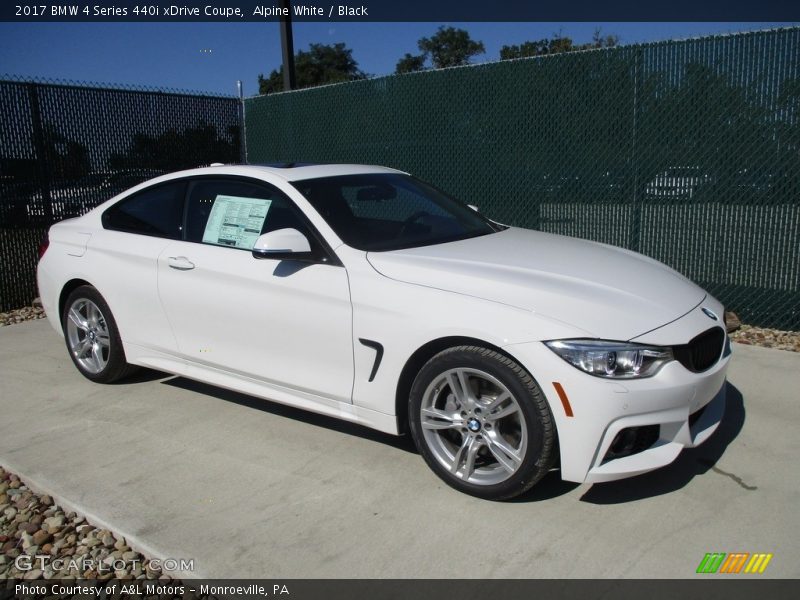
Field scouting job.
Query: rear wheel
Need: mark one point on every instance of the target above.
(481, 422)
(92, 337)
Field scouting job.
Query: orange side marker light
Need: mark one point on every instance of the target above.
(564, 400)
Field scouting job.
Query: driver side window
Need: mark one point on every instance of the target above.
(234, 213)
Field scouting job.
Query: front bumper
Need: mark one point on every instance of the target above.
(676, 432)
(663, 414)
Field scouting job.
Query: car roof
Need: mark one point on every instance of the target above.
(287, 171)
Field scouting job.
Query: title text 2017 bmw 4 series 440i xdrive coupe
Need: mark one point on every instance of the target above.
(366, 294)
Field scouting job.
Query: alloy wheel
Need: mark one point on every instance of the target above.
(473, 426)
(88, 336)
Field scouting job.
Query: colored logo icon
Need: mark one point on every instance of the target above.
(734, 563)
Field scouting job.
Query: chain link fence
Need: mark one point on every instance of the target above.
(65, 148)
(685, 151)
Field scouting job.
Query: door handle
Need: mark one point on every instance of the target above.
(181, 263)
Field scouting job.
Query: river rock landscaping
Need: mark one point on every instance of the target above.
(26, 313)
(39, 540)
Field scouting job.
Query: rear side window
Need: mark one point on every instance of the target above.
(156, 211)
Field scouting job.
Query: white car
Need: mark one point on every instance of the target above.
(678, 183)
(365, 294)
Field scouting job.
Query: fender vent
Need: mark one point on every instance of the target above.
(702, 352)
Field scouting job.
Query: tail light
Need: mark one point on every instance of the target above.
(43, 245)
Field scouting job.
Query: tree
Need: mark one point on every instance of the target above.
(410, 63)
(450, 47)
(556, 45)
(321, 64)
(524, 50)
(600, 41)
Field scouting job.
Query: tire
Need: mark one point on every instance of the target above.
(494, 442)
(92, 337)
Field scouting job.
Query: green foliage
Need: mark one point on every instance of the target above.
(410, 63)
(321, 64)
(450, 47)
(556, 45)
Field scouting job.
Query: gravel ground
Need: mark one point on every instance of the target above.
(768, 338)
(743, 334)
(27, 313)
(31, 525)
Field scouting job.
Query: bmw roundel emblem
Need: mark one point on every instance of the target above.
(710, 313)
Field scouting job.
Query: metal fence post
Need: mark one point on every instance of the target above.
(42, 167)
(242, 131)
(636, 222)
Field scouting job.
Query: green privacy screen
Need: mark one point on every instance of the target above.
(684, 151)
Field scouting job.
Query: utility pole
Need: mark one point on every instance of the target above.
(287, 46)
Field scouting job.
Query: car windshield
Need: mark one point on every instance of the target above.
(388, 211)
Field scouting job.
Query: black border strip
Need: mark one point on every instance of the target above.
(709, 587)
(443, 11)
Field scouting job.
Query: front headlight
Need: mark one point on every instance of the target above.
(614, 360)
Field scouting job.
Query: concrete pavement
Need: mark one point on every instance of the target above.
(248, 488)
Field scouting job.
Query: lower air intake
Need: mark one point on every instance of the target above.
(632, 440)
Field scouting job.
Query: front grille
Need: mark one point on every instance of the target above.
(702, 352)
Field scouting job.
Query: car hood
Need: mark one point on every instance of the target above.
(608, 292)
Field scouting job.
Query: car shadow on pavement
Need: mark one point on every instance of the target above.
(143, 375)
(690, 463)
(549, 487)
(400, 442)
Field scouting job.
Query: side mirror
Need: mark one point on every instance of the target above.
(473, 207)
(282, 244)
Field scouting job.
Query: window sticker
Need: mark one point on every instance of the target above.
(236, 221)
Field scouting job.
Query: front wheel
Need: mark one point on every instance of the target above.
(481, 422)
(92, 337)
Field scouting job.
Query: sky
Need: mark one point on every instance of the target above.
(211, 57)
